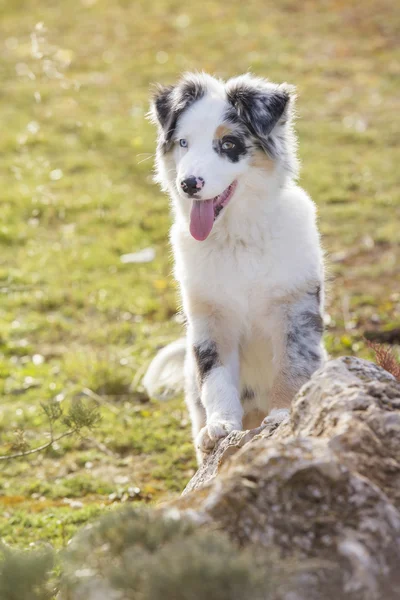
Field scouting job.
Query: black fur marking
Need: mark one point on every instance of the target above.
(259, 109)
(270, 147)
(304, 337)
(231, 116)
(162, 103)
(247, 394)
(190, 90)
(314, 357)
(170, 102)
(305, 355)
(234, 154)
(314, 321)
(206, 359)
(217, 210)
(317, 294)
(293, 336)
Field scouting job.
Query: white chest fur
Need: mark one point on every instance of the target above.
(245, 270)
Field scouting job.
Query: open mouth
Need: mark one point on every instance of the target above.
(205, 212)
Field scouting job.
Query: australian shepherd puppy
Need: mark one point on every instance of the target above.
(247, 253)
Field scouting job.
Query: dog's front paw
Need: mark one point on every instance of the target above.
(214, 430)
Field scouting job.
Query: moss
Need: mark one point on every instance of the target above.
(144, 555)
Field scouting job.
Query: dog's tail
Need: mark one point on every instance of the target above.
(164, 378)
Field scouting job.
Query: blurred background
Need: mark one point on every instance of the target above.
(87, 296)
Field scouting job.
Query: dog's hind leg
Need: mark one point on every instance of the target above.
(298, 348)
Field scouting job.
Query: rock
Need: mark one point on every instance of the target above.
(227, 448)
(323, 486)
(306, 507)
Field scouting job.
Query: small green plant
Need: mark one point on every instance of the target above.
(134, 554)
(138, 555)
(27, 575)
(80, 416)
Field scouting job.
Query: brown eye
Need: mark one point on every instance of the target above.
(227, 145)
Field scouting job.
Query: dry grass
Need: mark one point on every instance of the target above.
(386, 358)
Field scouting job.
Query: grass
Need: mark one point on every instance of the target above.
(76, 194)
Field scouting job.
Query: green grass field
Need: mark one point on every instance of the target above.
(77, 193)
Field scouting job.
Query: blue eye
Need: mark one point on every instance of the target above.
(183, 143)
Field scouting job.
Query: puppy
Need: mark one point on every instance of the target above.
(247, 253)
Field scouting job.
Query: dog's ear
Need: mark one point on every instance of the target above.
(161, 104)
(260, 105)
(169, 102)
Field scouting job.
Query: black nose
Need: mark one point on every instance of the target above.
(192, 184)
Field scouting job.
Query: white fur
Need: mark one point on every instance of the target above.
(164, 378)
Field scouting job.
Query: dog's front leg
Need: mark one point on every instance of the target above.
(217, 365)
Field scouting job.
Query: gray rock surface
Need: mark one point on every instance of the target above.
(324, 485)
(310, 503)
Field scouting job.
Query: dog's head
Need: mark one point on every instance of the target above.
(211, 133)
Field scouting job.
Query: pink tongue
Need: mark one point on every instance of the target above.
(201, 219)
